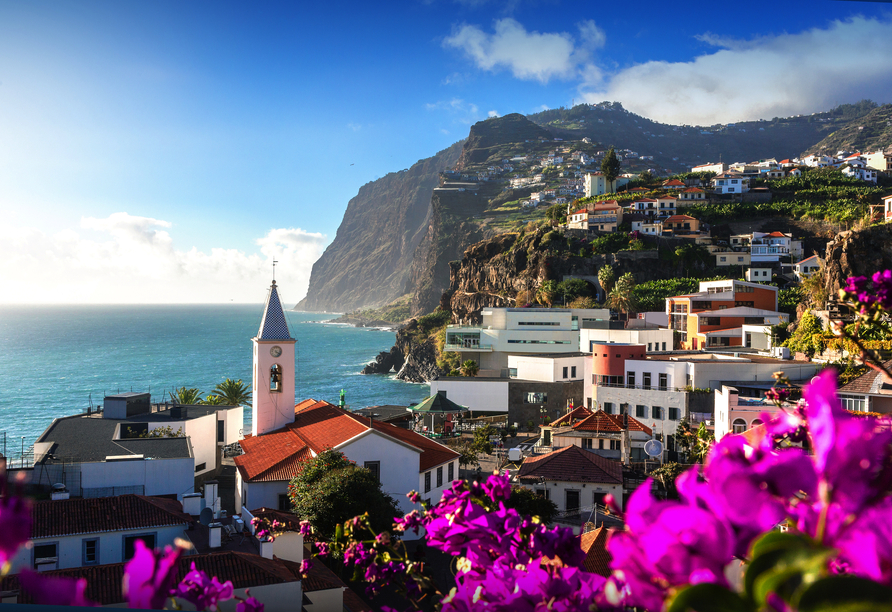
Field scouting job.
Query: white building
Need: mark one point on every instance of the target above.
(653, 337)
(731, 183)
(808, 266)
(735, 414)
(596, 184)
(574, 479)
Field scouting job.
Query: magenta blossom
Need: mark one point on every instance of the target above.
(15, 519)
(203, 592)
(149, 576)
(249, 604)
(497, 487)
(55, 591)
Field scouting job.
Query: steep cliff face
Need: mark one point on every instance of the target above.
(369, 261)
(493, 271)
(857, 253)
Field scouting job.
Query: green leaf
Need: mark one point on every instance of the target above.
(707, 597)
(774, 540)
(845, 594)
(793, 569)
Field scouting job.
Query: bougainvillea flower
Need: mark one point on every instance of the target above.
(54, 591)
(150, 576)
(866, 545)
(249, 605)
(15, 519)
(201, 591)
(851, 453)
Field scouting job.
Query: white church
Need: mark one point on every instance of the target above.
(285, 435)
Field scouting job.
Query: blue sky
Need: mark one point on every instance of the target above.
(167, 151)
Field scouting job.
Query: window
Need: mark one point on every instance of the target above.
(427, 482)
(451, 471)
(601, 444)
(614, 445)
(723, 259)
(608, 407)
(439, 476)
(598, 498)
(284, 502)
(673, 414)
(648, 347)
(565, 371)
(275, 378)
(753, 320)
(630, 380)
(623, 409)
(664, 346)
(646, 380)
(512, 372)
(46, 555)
(664, 381)
(130, 544)
(587, 443)
(546, 437)
(90, 551)
(572, 499)
(853, 403)
(739, 426)
(375, 468)
(743, 303)
(712, 321)
(221, 431)
(740, 259)
(641, 411)
(656, 412)
(201, 467)
(572, 371)
(536, 397)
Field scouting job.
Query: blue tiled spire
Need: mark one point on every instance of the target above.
(273, 325)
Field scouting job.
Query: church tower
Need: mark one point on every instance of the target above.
(273, 405)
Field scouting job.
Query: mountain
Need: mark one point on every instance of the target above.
(863, 133)
(368, 262)
(400, 232)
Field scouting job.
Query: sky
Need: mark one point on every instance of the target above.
(168, 152)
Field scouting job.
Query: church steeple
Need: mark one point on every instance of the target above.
(273, 405)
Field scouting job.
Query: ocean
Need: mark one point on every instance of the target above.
(55, 360)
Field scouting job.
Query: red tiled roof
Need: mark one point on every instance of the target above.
(693, 190)
(676, 218)
(99, 514)
(578, 212)
(777, 235)
(104, 581)
(278, 455)
(673, 182)
(865, 382)
(572, 464)
(578, 413)
(323, 425)
(594, 545)
(601, 421)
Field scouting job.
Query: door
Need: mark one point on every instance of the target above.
(572, 500)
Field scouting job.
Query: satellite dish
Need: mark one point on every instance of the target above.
(206, 517)
(653, 448)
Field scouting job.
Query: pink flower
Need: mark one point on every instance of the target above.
(249, 605)
(203, 592)
(15, 519)
(55, 591)
(149, 577)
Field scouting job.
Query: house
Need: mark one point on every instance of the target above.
(887, 208)
(730, 183)
(68, 533)
(754, 274)
(738, 326)
(715, 296)
(879, 160)
(794, 172)
(731, 258)
(573, 478)
(773, 246)
(648, 226)
(615, 436)
(736, 413)
(691, 194)
(594, 545)
(870, 392)
(596, 184)
(667, 205)
(718, 168)
(652, 337)
(597, 216)
(808, 266)
(681, 225)
(673, 184)
(860, 172)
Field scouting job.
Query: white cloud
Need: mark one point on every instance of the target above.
(133, 260)
(492, 113)
(464, 112)
(529, 55)
(764, 77)
(354, 126)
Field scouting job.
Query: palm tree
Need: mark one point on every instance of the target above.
(232, 393)
(469, 368)
(606, 278)
(186, 396)
(622, 298)
(546, 293)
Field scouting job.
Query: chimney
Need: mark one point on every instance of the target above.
(266, 549)
(214, 535)
(60, 491)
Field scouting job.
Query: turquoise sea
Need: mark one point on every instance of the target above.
(53, 359)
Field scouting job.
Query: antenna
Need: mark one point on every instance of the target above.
(274, 269)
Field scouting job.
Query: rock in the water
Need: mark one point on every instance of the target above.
(385, 362)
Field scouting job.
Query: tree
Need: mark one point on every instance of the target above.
(331, 489)
(232, 393)
(530, 503)
(523, 298)
(470, 368)
(611, 168)
(808, 337)
(467, 456)
(690, 254)
(813, 287)
(481, 442)
(186, 396)
(547, 293)
(666, 475)
(622, 297)
(573, 288)
(606, 278)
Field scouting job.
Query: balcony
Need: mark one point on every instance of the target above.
(468, 346)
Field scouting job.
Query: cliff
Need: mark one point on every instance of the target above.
(857, 253)
(370, 259)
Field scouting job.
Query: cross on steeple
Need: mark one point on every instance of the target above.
(274, 270)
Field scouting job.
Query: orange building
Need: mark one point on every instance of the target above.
(699, 316)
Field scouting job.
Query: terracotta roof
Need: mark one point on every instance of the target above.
(601, 421)
(778, 235)
(318, 425)
(578, 212)
(104, 581)
(865, 383)
(693, 190)
(606, 205)
(673, 182)
(100, 514)
(676, 218)
(278, 455)
(594, 545)
(571, 464)
(578, 413)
